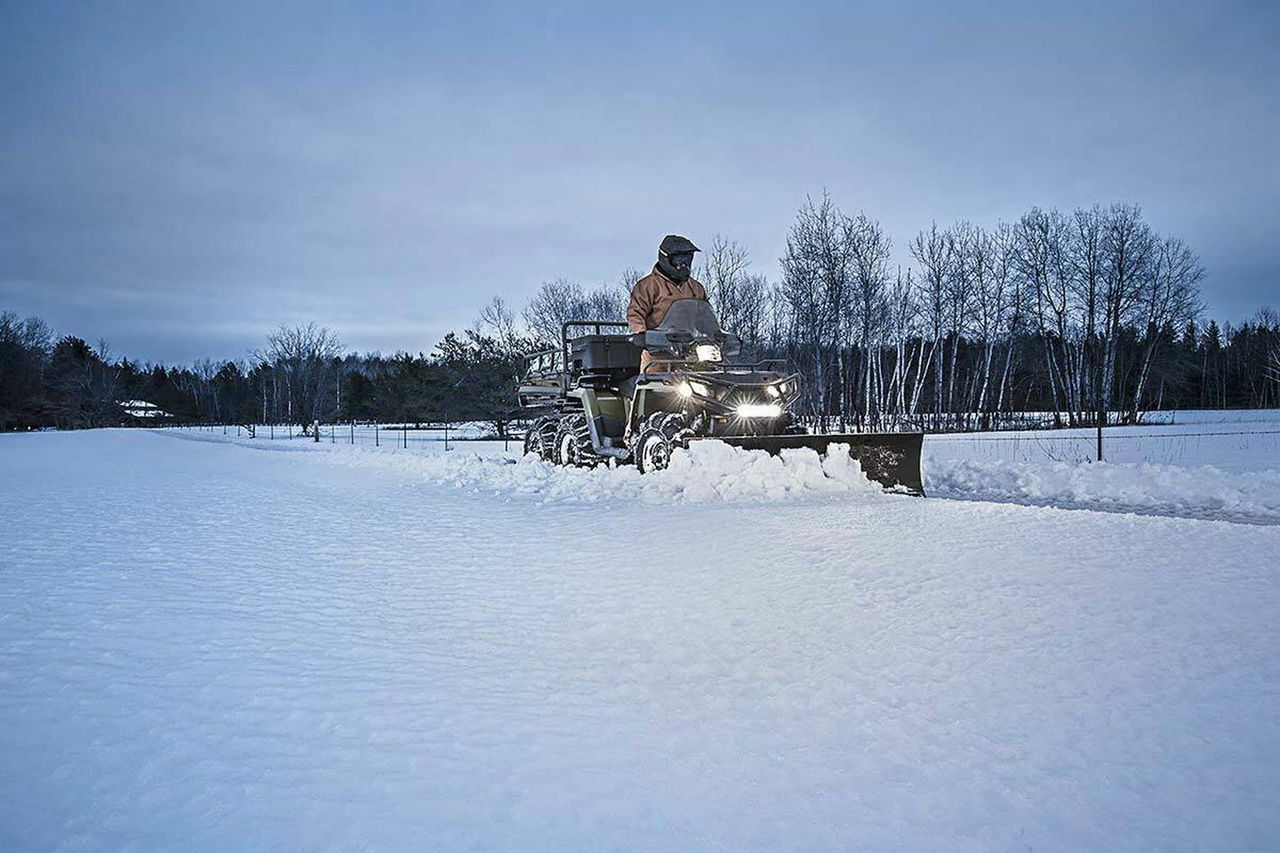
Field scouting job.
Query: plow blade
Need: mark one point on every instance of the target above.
(889, 458)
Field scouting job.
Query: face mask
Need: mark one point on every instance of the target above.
(677, 265)
(681, 261)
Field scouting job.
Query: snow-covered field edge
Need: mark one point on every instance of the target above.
(1241, 485)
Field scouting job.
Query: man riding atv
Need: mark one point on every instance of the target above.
(651, 297)
(609, 398)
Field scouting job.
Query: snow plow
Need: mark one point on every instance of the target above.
(593, 404)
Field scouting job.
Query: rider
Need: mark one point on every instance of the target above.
(670, 280)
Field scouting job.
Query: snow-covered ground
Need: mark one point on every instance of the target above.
(207, 646)
(1199, 464)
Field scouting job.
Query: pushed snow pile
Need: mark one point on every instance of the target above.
(1199, 492)
(707, 471)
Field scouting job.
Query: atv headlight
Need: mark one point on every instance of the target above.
(688, 389)
(773, 390)
(707, 352)
(758, 410)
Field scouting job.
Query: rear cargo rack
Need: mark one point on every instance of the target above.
(598, 327)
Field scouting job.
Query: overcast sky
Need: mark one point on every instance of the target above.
(179, 178)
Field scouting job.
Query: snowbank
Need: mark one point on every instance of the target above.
(1149, 488)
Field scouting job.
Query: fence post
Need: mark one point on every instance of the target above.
(353, 433)
(273, 430)
(375, 434)
(331, 429)
(446, 432)
(405, 430)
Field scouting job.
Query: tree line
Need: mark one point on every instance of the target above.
(1075, 316)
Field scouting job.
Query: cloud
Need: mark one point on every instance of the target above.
(210, 173)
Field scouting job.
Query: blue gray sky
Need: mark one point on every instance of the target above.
(179, 178)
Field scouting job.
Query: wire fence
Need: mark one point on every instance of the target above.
(437, 436)
(1108, 436)
(1153, 442)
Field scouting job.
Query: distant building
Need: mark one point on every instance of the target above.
(143, 409)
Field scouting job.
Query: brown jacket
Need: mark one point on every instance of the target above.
(651, 298)
(653, 295)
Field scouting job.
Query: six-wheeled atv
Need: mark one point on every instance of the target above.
(596, 405)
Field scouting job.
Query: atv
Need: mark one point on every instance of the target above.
(595, 404)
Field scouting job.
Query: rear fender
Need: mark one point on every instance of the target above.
(606, 416)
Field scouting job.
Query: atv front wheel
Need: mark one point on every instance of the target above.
(661, 433)
(573, 443)
(540, 438)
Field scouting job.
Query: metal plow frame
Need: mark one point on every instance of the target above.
(891, 459)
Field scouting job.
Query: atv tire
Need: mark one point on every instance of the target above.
(661, 434)
(573, 443)
(540, 438)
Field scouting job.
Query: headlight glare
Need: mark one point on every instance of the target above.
(707, 352)
(758, 410)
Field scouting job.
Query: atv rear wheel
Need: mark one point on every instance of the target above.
(661, 433)
(540, 438)
(573, 443)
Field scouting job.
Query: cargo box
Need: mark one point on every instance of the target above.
(604, 352)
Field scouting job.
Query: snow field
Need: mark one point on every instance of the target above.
(206, 647)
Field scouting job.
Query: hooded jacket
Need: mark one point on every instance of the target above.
(652, 297)
(650, 300)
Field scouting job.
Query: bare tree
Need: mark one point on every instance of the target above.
(1005, 241)
(604, 303)
(304, 359)
(722, 273)
(984, 255)
(498, 322)
(817, 287)
(1129, 249)
(902, 396)
(553, 304)
(1169, 298)
(753, 310)
(935, 251)
(1041, 262)
(741, 299)
(869, 250)
(1085, 256)
(559, 301)
(1268, 322)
